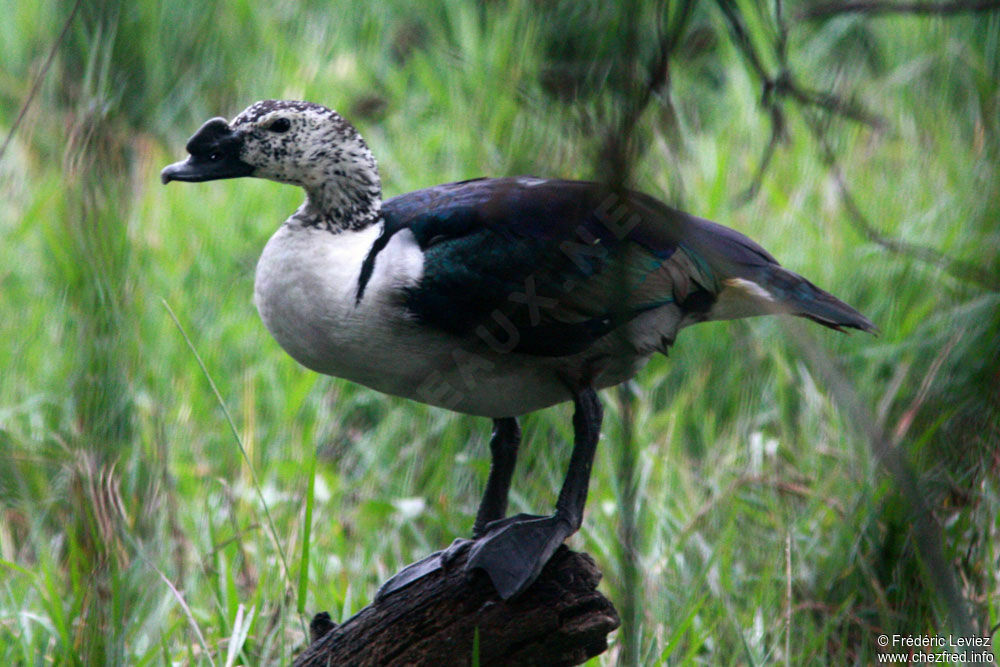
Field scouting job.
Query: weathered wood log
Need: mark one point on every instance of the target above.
(560, 620)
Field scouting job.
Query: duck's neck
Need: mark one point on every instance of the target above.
(346, 196)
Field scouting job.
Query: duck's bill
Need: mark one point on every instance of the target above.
(214, 154)
(198, 168)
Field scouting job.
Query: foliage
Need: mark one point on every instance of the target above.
(131, 527)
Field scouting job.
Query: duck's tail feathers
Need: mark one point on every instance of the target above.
(774, 289)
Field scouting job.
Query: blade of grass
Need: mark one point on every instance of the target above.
(17, 568)
(239, 442)
(788, 597)
(184, 606)
(681, 629)
(241, 628)
(306, 534)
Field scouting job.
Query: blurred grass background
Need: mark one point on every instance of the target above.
(764, 530)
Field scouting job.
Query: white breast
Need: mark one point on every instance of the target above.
(306, 290)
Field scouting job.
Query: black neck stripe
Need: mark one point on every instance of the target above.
(368, 265)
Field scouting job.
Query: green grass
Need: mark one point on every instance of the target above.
(135, 524)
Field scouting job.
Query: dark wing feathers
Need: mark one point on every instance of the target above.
(562, 263)
(526, 260)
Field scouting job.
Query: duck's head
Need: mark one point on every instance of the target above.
(301, 143)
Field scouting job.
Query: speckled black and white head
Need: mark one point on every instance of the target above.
(301, 143)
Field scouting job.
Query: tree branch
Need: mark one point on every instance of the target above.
(37, 84)
(956, 267)
(450, 617)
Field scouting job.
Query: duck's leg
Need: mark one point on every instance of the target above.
(503, 457)
(513, 551)
(493, 507)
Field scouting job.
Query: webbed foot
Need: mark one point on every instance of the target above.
(420, 569)
(514, 550)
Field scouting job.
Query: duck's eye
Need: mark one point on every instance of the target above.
(280, 125)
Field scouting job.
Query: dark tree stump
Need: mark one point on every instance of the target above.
(560, 620)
